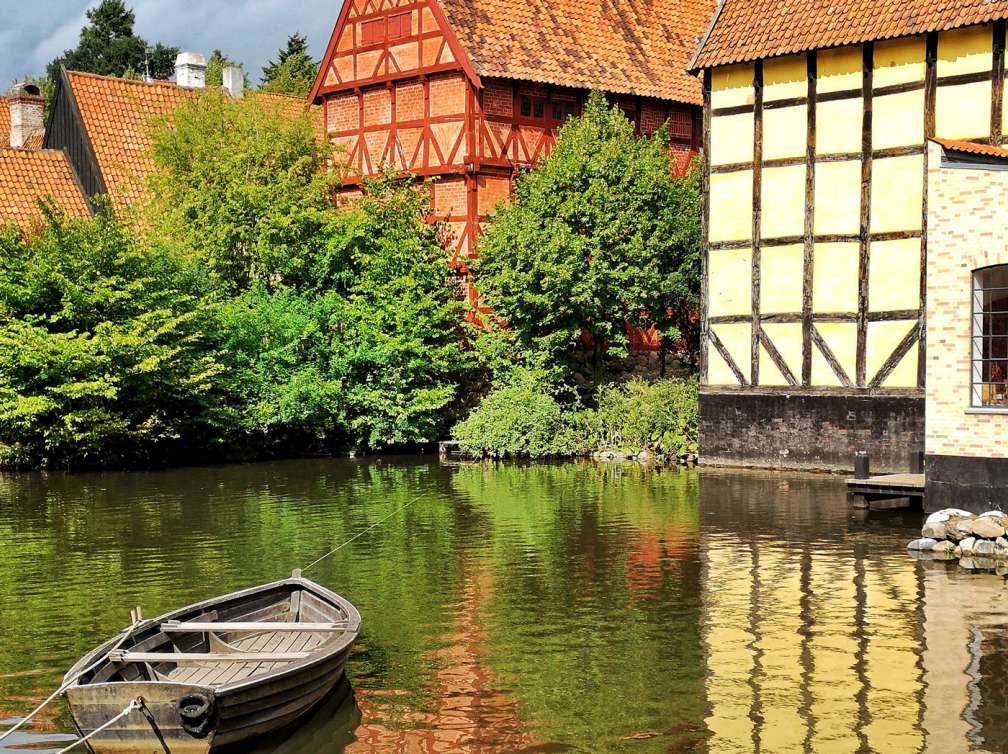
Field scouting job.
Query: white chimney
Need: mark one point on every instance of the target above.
(27, 113)
(234, 81)
(190, 70)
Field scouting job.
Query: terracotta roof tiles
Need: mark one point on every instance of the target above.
(969, 147)
(747, 30)
(27, 176)
(622, 46)
(117, 114)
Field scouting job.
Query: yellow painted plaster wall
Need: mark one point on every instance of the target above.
(898, 61)
(732, 86)
(730, 286)
(782, 268)
(783, 202)
(732, 138)
(731, 206)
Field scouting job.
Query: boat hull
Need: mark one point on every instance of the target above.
(238, 708)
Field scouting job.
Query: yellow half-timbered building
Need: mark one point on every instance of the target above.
(818, 120)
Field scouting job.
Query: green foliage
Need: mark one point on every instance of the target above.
(102, 353)
(662, 417)
(109, 46)
(521, 418)
(241, 186)
(215, 68)
(293, 72)
(369, 352)
(599, 235)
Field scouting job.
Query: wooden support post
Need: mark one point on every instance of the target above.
(997, 85)
(930, 98)
(705, 229)
(757, 208)
(808, 260)
(867, 66)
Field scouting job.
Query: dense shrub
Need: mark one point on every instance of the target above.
(103, 357)
(521, 418)
(662, 417)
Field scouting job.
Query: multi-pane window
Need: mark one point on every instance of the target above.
(990, 337)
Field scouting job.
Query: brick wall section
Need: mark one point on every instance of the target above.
(377, 106)
(447, 94)
(498, 98)
(409, 101)
(450, 197)
(810, 431)
(652, 117)
(967, 229)
(343, 112)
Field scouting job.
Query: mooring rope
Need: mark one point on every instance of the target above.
(70, 682)
(134, 705)
(362, 533)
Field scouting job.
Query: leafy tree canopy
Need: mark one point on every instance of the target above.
(242, 187)
(109, 46)
(103, 357)
(294, 70)
(600, 235)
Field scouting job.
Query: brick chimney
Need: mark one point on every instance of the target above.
(234, 81)
(27, 113)
(190, 70)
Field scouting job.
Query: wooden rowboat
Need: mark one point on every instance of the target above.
(215, 673)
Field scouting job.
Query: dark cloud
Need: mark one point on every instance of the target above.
(251, 31)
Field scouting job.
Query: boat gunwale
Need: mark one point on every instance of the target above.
(325, 651)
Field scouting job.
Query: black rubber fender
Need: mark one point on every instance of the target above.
(197, 713)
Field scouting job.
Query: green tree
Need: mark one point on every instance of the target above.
(215, 68)
(368, 353)
(339, 325)
(294, 70)
(109, 46)
(103, 358)
(600, 235)
(242, 187)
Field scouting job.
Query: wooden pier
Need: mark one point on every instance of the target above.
(886, 487)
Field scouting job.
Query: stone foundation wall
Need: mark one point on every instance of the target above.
(810, 431)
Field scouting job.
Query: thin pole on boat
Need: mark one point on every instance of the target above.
(134, 705)
(361, 534)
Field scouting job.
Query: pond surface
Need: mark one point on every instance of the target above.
(540, 608)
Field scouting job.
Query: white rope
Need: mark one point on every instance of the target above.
(361, 534)
(69, 682)
(134, 705)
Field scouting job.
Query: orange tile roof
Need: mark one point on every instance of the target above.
(27, 176)
(748, 30)
(35, 141)
(621, 46)
(4, 122)
(969, 147)
(117, 114)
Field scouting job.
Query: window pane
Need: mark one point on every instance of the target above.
(540, 108)
(990, 336)
(526, 107)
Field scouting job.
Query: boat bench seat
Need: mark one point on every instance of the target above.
(178, 627)
(179, 658)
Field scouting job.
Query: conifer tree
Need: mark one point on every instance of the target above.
(294, 70)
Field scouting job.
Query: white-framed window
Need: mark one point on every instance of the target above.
(990, 337)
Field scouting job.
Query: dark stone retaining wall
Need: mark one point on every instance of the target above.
(973, 484)
(810, 430)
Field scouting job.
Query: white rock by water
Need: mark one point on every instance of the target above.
(922, 544)
(934, 530)
(983, 548)
(944, 515)
(987, 527)
(988, 514)
(967, 545)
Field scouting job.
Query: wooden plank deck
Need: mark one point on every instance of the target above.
(863, 493)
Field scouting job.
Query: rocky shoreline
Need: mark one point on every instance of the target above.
(977, 542)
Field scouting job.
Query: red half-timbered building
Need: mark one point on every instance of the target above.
(470, 91)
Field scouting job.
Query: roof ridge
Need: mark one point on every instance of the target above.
(139, 82)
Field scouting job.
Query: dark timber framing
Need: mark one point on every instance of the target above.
(867, 77)
(757, 214)
(808, 257)
(812, 340)
(705, 227)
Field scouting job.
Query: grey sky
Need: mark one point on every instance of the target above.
(251, 31)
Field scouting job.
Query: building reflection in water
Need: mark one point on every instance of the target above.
(821, 635)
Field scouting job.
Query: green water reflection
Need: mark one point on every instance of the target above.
(534, 608)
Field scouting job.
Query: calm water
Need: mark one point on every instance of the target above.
(533, 608)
